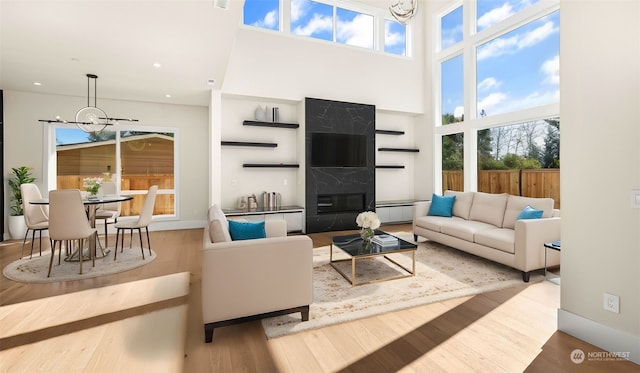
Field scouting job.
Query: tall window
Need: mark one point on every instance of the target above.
(336, 21)
(499, 90)
(133, 159)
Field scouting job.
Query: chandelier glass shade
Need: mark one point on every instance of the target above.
(403, 10)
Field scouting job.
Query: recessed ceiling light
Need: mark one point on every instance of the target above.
(211, 81)
(157, 64)
(37, 83)
(167, 95)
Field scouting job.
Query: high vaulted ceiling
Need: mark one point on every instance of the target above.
(58, 42)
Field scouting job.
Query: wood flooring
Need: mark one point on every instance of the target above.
(511, 330)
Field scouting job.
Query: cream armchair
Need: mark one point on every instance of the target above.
(252, 279)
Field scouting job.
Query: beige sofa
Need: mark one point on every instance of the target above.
(486, 225)
(251, 279)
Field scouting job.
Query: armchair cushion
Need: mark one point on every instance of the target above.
(246, 231)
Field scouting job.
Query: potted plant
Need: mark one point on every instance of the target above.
(20, 175)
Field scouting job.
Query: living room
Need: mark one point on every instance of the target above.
(263, 69)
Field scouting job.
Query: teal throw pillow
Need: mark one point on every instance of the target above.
(441, 205)
(246, 231)
(530, 213)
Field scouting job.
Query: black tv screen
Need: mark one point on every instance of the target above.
(338, 150)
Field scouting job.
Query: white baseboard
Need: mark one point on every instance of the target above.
(605, 337)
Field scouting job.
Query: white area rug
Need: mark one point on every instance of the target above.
(35, 270)
(441, 273)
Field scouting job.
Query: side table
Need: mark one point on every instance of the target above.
(555, 245)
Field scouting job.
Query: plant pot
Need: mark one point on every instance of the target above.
(17, 227)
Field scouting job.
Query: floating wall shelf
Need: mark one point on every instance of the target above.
(244, 143)
(398, 150)
(389, 166)
(270, 124)
(271, 165)
(389, 132)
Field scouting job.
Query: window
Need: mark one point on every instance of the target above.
(395, 38)
(262, 13)
(451, 28)
(142, 157)
(452, 162)
(499, 90)
(519, 69)
(342, 22)
(491, 12)
(452, 88)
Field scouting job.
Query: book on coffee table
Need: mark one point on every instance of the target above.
(385, 240)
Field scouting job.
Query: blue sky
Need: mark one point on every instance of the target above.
(315, 19)
(515, 71)
(66, 136)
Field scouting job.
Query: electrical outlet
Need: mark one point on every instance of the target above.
(611, 303)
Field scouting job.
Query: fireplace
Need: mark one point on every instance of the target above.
(339, 203)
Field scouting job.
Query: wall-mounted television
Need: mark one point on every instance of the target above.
(338, 150)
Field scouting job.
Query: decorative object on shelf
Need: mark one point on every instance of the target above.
(275, 114)
(271, 200)
(91, 118)
(403, 10)
(368, 221)
(261, 113)
(92, 185)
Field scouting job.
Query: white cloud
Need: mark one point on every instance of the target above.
(458, 111)
(495, 15)
(451, 36)
(318, 23)
(493, 103)
(298, 9)
(512, 44)
(270, 20)
(392, 38)
(551, 70)
(501, 102)
(358, 31)
(489, 83)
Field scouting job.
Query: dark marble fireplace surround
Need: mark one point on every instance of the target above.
(336, 195)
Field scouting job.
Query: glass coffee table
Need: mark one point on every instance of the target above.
(356, 249)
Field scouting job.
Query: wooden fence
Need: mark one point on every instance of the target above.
(544, 182)
(165, 203)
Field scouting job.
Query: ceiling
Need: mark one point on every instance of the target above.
(57, 42)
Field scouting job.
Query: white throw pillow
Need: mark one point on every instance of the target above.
(218, 225)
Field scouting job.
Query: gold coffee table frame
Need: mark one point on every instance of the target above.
(375, 250)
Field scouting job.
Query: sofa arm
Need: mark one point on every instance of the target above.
(530, 237)
(243, 278)
(420, 208)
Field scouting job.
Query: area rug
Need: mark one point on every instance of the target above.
(35, 270)
(441, 273)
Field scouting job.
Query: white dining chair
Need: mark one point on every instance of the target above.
(108, 212)
(143, 222)
(35, 216)
(68, 222)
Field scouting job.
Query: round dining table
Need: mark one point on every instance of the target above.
(92, 204)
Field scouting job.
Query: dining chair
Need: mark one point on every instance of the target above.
(109, 212)
(68, 222)
(35, 216)
(143, 222)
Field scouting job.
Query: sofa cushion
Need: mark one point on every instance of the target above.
(441, 205)
(464, 229)
(489, 208)
(218, 225)
(502, 239)
(433, 223)
(462, 205)
(246, 231)
(516, 204)
(529, 213)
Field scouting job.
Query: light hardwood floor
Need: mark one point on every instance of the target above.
(511, 330)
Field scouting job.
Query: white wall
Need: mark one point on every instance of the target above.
(24, 141)
(600, 152)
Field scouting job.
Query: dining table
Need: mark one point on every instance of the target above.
(92, 204)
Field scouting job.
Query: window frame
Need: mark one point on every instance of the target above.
(467, 47)
(50, 162)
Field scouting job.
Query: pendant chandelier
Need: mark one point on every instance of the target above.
(403, 10)
(91, 118)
